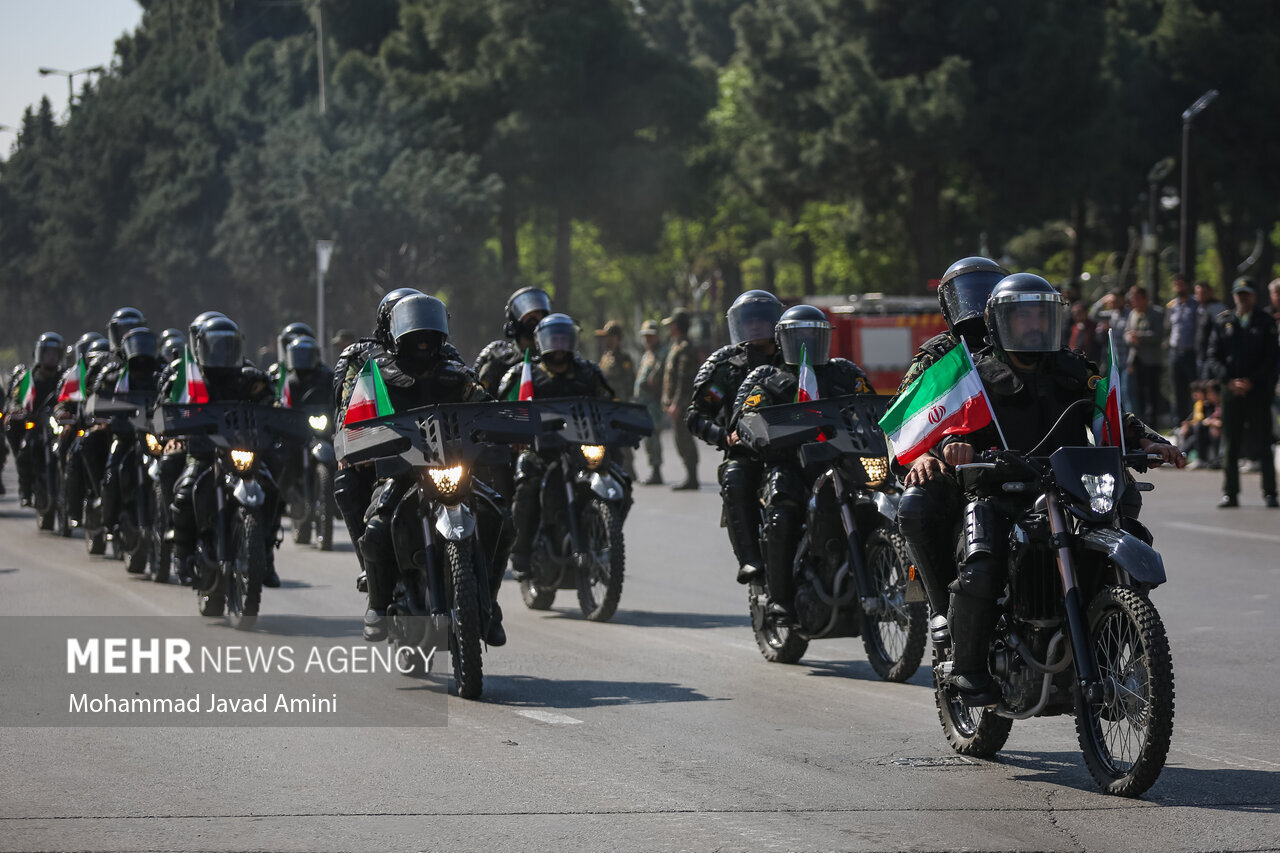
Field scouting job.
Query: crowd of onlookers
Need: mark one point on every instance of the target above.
(1218, 397)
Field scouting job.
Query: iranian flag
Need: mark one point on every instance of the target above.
(947, 399)
(369, 398)
(73, 383)
(188, 385)
(283, 394)
(25, 393)
(122, 384)
(525, 390)
(1107, 419)
(808, 388)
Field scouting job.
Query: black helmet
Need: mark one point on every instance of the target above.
(48, 351)
(171, 343)
(804, 331)
(964, 290)
(99, 347)
(287, 334)
(419, 328)
(382, 331)
(753, 316)
(219, 345)
(1026, 315)
(556, 333)
(302, 353)
(81, 347)
(520, 305)
(141, 347)
(121, 322)
(199, 321)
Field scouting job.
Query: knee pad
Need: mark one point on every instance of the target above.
(351, 492)
(982, 577)
(376, 543)
(916, 512)
(982, 529)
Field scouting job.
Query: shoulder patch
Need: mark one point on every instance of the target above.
(753, 401)
(1093, 382)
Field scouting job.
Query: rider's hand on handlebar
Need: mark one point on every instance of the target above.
(958, 453)
(1167, 453)
(923, 470)
(732, 438)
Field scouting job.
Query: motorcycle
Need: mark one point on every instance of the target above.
(309, 493)
(851, 567)
(1077, 632)
(235, 498)
(441, 595)
(128, 527)
(585, 497)
(38, 440)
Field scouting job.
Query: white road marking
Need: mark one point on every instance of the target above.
(1221, 531)
(550, 717)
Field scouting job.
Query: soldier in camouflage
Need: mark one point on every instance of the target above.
(619, 368)
(751, 320)
(677, 390)
(648, 391)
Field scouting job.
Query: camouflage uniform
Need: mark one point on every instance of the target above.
(619, 369)
(677, 390)
(648, 390)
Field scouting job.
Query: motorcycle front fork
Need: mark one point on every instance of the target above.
(1081, 647)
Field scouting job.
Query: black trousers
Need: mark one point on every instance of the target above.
(1246, 429)
(1182, 372)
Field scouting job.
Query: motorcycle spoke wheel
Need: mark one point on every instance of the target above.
(894, 636)
(464, 638)
(325, 508)
(603, 565)
(161, 551)
(244, 585)
(778, 644)
(1125, 737)
(978, 732)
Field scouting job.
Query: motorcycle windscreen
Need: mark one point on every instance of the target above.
(1092, 476)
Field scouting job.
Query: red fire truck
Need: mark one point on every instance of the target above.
(880, 333)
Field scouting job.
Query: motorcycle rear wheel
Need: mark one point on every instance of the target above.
(978, 732)
(161, 549)
(894, 638)
(95, 537)
(1125, 739)
(325, 508)
(776, 643)
(604, 562)
(249, 565)
(535, 596)
(464, 639)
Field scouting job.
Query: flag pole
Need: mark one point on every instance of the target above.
(1113, 369)
(969, 356)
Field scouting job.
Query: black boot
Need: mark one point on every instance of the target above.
(972, 621)
(496, 636)
(779, 551)
(655, 478)
(377, 579)
(744, 536)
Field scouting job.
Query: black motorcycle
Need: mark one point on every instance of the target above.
(585, 497)
(309, 489)
(236, 500)
(441, 595)
(132, 445)
(1077, 632)
(39, 436)
(851, 566)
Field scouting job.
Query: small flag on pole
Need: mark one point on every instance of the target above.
(72, 389)
(284, 393)
(369, 398)
(808, 388)
(525, 390)
(947, 399)
(25, 393)
(1107, 423)
(188, 385)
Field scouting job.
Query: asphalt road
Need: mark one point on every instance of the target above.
(663, 730)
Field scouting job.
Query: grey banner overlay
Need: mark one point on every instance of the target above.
(127, 671)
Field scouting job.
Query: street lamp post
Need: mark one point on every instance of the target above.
(324, 250)
(1186, 239)
(71, 76)
(1150, 244)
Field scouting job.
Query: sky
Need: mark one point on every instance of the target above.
(63, 34)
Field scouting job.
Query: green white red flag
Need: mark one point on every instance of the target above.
(524, 391)
(73, 383)
(369, 398)
(283, 392)
(807, 388)
(189, 385)
(25, 393)
(1108, 424)
(947, 399)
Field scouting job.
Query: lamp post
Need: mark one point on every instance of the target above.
(1150, 245)
(71, 76)
(1186, 240)
(324, 250)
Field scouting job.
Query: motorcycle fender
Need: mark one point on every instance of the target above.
(322, 451)
(455, 523)
(249, 493)
(605, 487)
(1143, 563)
(887, 504)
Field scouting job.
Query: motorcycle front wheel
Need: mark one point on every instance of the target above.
(777, 643)
(1125, 737)
(894, 636)
(978, 732)
(95, 538)
(249, 565)
(325, 508)
(603, 561)
(464, 639)
(161, 549)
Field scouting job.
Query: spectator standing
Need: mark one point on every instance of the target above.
(1083, 333)
(1207, 310)
(1274, 308)
(1181, 312)
(1242, 356)
(1144, 333)
(1112, 317)
(677, 390)
(648, 391)
(619, 370)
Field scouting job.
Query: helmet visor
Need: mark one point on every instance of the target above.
(49, 353)
(806, 340)
(303, 354)
(418, 313)
(527, 303)
(753, 321)
(140, 344)
(1029, 322)
(965, 296)
(219, 348)
(557, 337)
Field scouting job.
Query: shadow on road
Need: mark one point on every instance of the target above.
(1227, 789)
(527, 691)
(288, 625)
(7, 571)
(862, 670)
(655, 619)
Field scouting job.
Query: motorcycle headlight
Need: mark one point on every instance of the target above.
(319, 423)
(876, 468)
(154, 447)
(447, 481)
(1101, 489)
(30, 424)
(54, 426)
(594, 454)
(242, 460)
